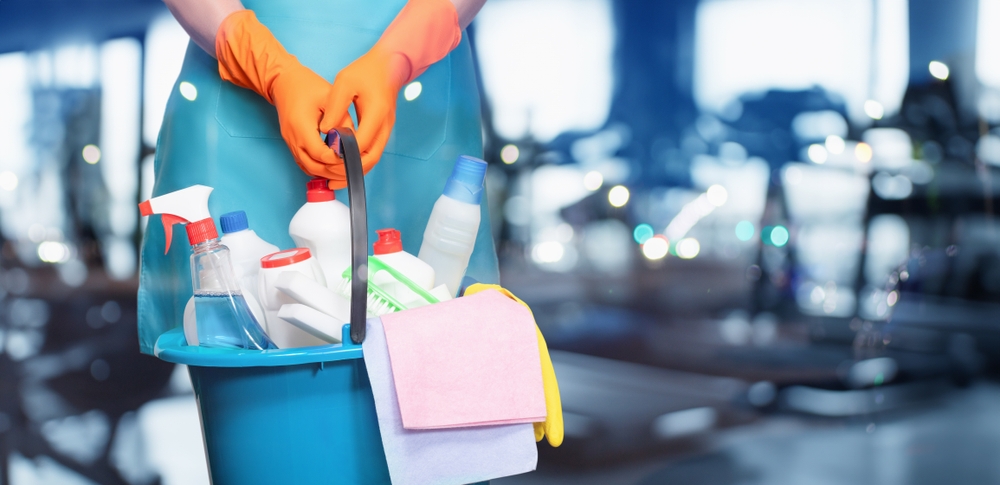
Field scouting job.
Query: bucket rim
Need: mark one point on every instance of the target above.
(172, 347)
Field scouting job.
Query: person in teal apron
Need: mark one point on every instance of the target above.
(251, 126)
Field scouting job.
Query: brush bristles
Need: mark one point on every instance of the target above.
(377, 306)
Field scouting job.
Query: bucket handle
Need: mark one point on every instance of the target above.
(346, 146)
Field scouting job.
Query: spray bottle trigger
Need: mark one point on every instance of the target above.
(168, 221)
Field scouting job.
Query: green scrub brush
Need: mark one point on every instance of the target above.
(379, 301)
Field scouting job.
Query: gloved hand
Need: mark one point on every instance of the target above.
(422, 33)
(250, 57)
(553, 425)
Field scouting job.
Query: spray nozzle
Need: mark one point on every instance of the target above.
(185, 206)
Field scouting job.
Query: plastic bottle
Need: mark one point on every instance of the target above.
(246, 248)
(299, 260)
(323, 226)
(389, 249)
(450, 235)
(223, 317)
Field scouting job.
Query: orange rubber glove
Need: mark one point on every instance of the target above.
(552, 427)
(250, 57)
(423, 32)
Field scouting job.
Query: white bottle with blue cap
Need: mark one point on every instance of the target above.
(451, 231)
(245, 249)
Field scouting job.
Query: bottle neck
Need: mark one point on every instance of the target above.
(206, 245)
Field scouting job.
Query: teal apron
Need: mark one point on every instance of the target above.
(228, 138)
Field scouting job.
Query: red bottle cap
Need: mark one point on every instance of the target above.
(388, 242)
(201, 231)
(318, 190)
(285, 258)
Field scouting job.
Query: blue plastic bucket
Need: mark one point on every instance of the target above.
(294, 416)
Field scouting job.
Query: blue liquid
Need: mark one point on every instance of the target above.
(224, 320)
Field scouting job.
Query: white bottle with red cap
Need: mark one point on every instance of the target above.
(299, 260)
(389, 249)
(323, 225)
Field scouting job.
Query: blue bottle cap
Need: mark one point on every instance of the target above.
(466, 181)
(233, 221)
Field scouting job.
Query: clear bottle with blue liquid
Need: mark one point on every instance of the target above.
(223, 317)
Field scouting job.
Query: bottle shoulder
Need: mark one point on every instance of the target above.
(404, 261)
(247, 244)
(447, 203)
(329, 206)
(329, 217)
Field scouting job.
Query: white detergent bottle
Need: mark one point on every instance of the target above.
(451, 231)
(323, 225)
(389, 249)
(245, 248)
(286, 334)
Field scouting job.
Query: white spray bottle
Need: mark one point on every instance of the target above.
(223, 317)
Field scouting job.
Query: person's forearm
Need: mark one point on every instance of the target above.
(467, 10)
(201, 18)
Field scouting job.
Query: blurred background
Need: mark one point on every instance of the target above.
(759, 236)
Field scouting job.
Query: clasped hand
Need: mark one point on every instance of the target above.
(309, 105)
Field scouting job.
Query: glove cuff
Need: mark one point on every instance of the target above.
(424, 32)
(249, 55)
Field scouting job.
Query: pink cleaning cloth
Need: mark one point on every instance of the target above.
(471, 361)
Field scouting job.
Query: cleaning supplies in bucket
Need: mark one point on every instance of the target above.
(222, 315)
(323, 226)
(450, 235)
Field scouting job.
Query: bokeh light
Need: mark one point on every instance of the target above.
(939, 70)
(744, 230)
(509, 154)
(817, 153)
(656, 248)
(188, 90)
(835, 144)
(717, 195)
(863, 152)
(779, 236)
(618, 196)
(548, 252)
(874, 109)
(53, 252)
(412, 90)
(593, 180)
(91, 154)
(688, 248)
(642, 233)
